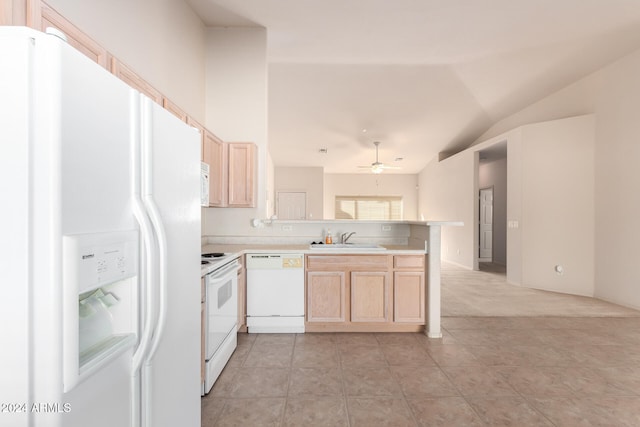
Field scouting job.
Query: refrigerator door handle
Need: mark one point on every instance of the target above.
(140, 392)
(161, 266)
(146, 230)
(160, 262)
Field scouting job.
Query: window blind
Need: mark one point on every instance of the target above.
(368, 207)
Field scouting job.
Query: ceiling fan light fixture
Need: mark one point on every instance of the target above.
(378, 167)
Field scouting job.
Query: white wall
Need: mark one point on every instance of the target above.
(271, 186)
(613, 95)
(617, 194)
(236, 95)
(514, 205)
(161, 40)
(404, 185)
(558, 212)
(494, 174)
(447, 194)
(304, 179)
(550, 186)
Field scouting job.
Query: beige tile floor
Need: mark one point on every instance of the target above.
(487, 370)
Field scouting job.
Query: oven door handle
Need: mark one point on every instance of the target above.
(223, 274)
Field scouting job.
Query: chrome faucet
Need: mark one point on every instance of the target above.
(345, 237)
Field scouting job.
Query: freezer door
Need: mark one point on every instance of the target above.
(95, 116)
(14, 222)
(65, 171)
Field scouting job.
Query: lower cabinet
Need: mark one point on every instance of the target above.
(369, 296)
(326, 296)
(408, 296)
(365, 293)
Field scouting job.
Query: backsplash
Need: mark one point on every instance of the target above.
(305, 232)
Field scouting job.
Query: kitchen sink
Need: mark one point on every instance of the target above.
(350, 246)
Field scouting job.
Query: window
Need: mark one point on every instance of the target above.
(368, 207)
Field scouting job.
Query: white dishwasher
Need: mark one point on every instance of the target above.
(275, 293)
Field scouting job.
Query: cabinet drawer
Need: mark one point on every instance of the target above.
(347, 262)
(415, 262)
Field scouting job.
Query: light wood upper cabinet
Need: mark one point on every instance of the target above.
(214, 153)
(128, 76)
(369, 296)
(76, 38)
(232, 172)
(326, 299)
(242, 173)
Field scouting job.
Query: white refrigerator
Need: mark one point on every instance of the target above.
(99, 242)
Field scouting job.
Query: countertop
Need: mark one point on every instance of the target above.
(238, 250)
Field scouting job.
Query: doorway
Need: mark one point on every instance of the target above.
(485, 253)
(490, 238)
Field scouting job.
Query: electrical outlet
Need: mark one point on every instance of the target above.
(386, 228)
(287, 228)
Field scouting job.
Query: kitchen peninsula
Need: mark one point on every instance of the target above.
(392, 288)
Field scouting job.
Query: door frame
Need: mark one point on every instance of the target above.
(479, 219)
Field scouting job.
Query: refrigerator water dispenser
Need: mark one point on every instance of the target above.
(100, 293)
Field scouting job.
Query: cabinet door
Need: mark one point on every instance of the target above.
(326, 296)
(408, 296)
(75, 37)
(242, 175)
(215, 154)
(369, 296)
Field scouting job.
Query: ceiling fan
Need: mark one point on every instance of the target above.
(378, 166)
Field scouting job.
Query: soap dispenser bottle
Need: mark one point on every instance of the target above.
(328, 238)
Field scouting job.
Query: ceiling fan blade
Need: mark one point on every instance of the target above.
(377, 166)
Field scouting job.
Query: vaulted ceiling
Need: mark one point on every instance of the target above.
(421, 76)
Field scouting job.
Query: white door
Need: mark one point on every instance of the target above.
(292, 205)
(486, 224)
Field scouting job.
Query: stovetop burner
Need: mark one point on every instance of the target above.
(202, 262)
(213, 255)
